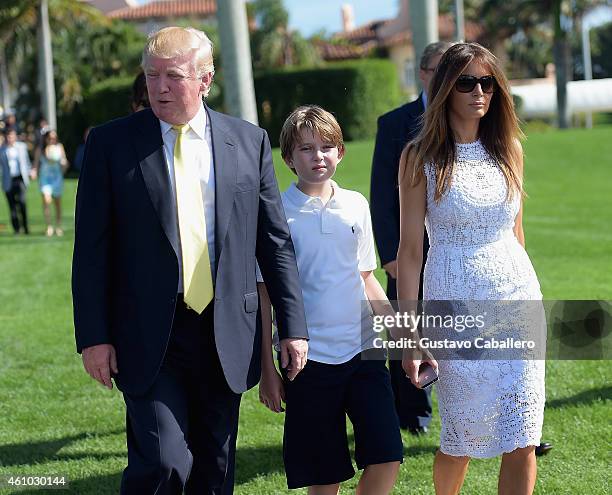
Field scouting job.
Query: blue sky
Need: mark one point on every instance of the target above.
(309, 16)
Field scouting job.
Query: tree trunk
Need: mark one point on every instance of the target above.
(424, 26)
(239, 89)
(45, 65)
(561, 53)
(5, 88)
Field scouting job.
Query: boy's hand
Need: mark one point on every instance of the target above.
(391, 268)
(271, 390)
(294, 353)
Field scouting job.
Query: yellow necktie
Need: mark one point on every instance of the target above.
(197, 275)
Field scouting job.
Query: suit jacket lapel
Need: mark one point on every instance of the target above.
(225, 163)
(149, 146)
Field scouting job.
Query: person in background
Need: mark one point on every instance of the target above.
(39, 132)
(50, 165)
(15, 166)
(140, 96)
(10, 122)
(80, 151)
(395, 129)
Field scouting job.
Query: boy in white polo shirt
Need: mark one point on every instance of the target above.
(334, 246)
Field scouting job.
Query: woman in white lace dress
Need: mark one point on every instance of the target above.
(463, 177)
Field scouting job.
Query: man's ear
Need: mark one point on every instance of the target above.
(206, 81)
(341, 151)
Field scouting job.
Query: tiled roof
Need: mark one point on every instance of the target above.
(166, 8)
(331, 51)
(362, 33)
(369, 33)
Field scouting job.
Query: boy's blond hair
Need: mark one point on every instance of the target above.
(315, 119)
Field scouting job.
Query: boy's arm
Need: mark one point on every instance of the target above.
(267, 359)
(376, 295)
(367, 264)
(271, 390)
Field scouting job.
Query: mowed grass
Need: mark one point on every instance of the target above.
(55, 420)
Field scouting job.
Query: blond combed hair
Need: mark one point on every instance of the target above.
(173, 41)
(316, 120)
(498, 130)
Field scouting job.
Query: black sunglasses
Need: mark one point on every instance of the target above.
(465, 84)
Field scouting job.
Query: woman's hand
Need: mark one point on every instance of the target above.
(411, 362)
(271, 390)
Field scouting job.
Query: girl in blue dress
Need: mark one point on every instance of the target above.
(50, 165)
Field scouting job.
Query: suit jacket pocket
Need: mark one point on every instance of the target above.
(251, 302)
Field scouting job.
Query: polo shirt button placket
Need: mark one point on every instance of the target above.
(326, 222)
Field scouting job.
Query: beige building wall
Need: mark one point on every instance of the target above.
(403, 58)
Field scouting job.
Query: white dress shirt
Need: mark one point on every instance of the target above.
(12, 155)
(197, 145)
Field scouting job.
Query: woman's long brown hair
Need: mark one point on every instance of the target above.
(498, 130)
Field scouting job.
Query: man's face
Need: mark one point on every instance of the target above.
(11, 138)
(426, 74)
(175, 92)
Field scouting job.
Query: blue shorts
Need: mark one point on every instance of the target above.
(315, 443)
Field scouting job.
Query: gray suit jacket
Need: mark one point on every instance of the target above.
(24, 165)
(125, 264)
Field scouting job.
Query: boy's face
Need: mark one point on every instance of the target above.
(313, 159)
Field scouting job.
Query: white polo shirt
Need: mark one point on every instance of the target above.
(333, 244)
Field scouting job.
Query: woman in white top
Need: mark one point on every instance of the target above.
(463, 177)
(50, 165)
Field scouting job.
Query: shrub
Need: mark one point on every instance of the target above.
(356, 92)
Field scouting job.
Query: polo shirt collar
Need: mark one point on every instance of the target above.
(197, 124)
(304, 201)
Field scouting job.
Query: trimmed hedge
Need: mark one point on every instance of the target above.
(356, 92)
(108, 100)
(111, 98)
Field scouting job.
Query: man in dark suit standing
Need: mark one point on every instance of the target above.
(395, 129)
(175, 204)
(15, 169)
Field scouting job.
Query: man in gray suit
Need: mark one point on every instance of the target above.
(16, 167)
(175, 205)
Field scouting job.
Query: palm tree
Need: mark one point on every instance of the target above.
(20, 15)
(503, 18)
(272, 43)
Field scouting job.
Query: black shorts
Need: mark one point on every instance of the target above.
(315, 443)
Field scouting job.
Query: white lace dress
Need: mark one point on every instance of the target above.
(487, 407)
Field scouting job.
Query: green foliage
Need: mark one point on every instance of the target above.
(355, 92)
(521, 32)
(601, 48)
(272, 44)
(270, 15)
(108, 100)
(518, 103)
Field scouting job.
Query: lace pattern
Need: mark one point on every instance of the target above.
(487, 407)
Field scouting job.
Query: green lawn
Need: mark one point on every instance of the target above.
(55, 419)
